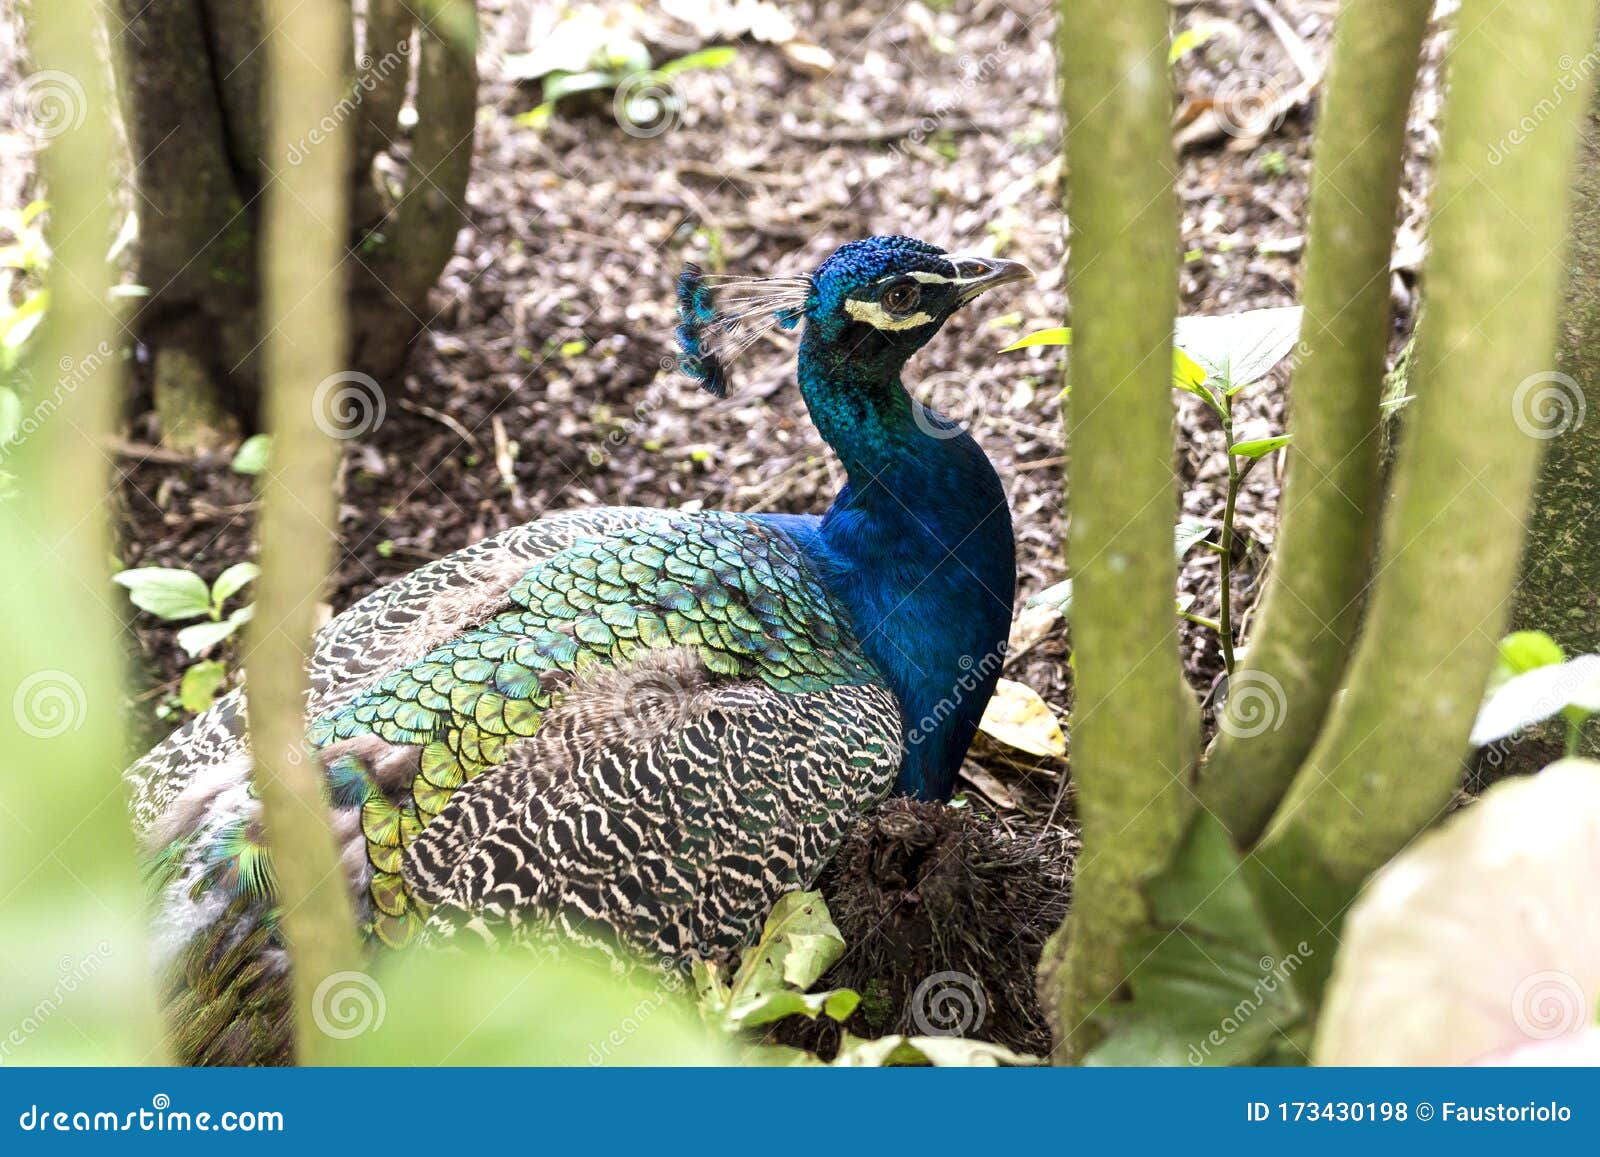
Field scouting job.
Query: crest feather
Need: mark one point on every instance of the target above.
(721, 315)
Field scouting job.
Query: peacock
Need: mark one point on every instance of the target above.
(633, 729)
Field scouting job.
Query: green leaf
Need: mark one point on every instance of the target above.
(798, 944)
(1188, 40)
(201, 637)
(1238, 349)
(1524, 650)
(1043, 337)
(559, 85)
(1210, 983)
(1537, 694)
(201, 682)
(166, 592)
(718, 57)
(1260, 447)
(231, 581)
(1190, 531)
(1058, 597)
(253, 454)
(17, 326)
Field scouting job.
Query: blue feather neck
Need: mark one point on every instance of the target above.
(918, 546)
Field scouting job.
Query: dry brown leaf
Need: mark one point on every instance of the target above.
(1018, 718)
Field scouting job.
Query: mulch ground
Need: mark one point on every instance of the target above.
(541, 384)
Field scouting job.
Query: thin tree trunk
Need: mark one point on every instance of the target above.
(72, 911)
(1312, 609)
(306, 208)
(1133, 722)
(1390, 756)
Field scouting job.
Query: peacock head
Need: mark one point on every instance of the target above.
(869, 306)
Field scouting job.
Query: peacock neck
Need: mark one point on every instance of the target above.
(918, 546)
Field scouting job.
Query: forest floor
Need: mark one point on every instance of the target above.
(543, 380)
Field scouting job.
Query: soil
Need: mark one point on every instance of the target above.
(543, 382)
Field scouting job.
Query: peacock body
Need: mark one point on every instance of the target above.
(627, 727)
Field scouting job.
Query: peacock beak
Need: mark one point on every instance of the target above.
(980, 274)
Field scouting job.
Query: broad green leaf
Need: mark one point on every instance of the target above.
(1017, 717)
(200, 684)
(1061, 336)
(1260, 447)
(19, 324)
(718, 57)
(1478, 942)
(253, 454)
(1522, 651)
(166, 592)
(1238, 349)
(1188, 40)
(231, 581)
(1537, 694)
(201, 637)
(1190, 531)
(1210, 983)
(798, 944)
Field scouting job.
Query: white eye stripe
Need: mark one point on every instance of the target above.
(879, 318)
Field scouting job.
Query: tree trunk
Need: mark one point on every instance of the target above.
(191, 83)
(1559, 591)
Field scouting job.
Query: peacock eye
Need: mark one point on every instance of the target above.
(902, 297)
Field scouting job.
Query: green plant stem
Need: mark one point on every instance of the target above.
(305, 313)
(1311, 608)
(1225, 598)
(1390, 757)
(1134, 723)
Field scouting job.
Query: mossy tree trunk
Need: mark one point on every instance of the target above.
(304, 307)
(1134, 723)
(191, 81)
(1559, 591)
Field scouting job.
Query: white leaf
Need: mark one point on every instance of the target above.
(1525, 699)
(1237, 349)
